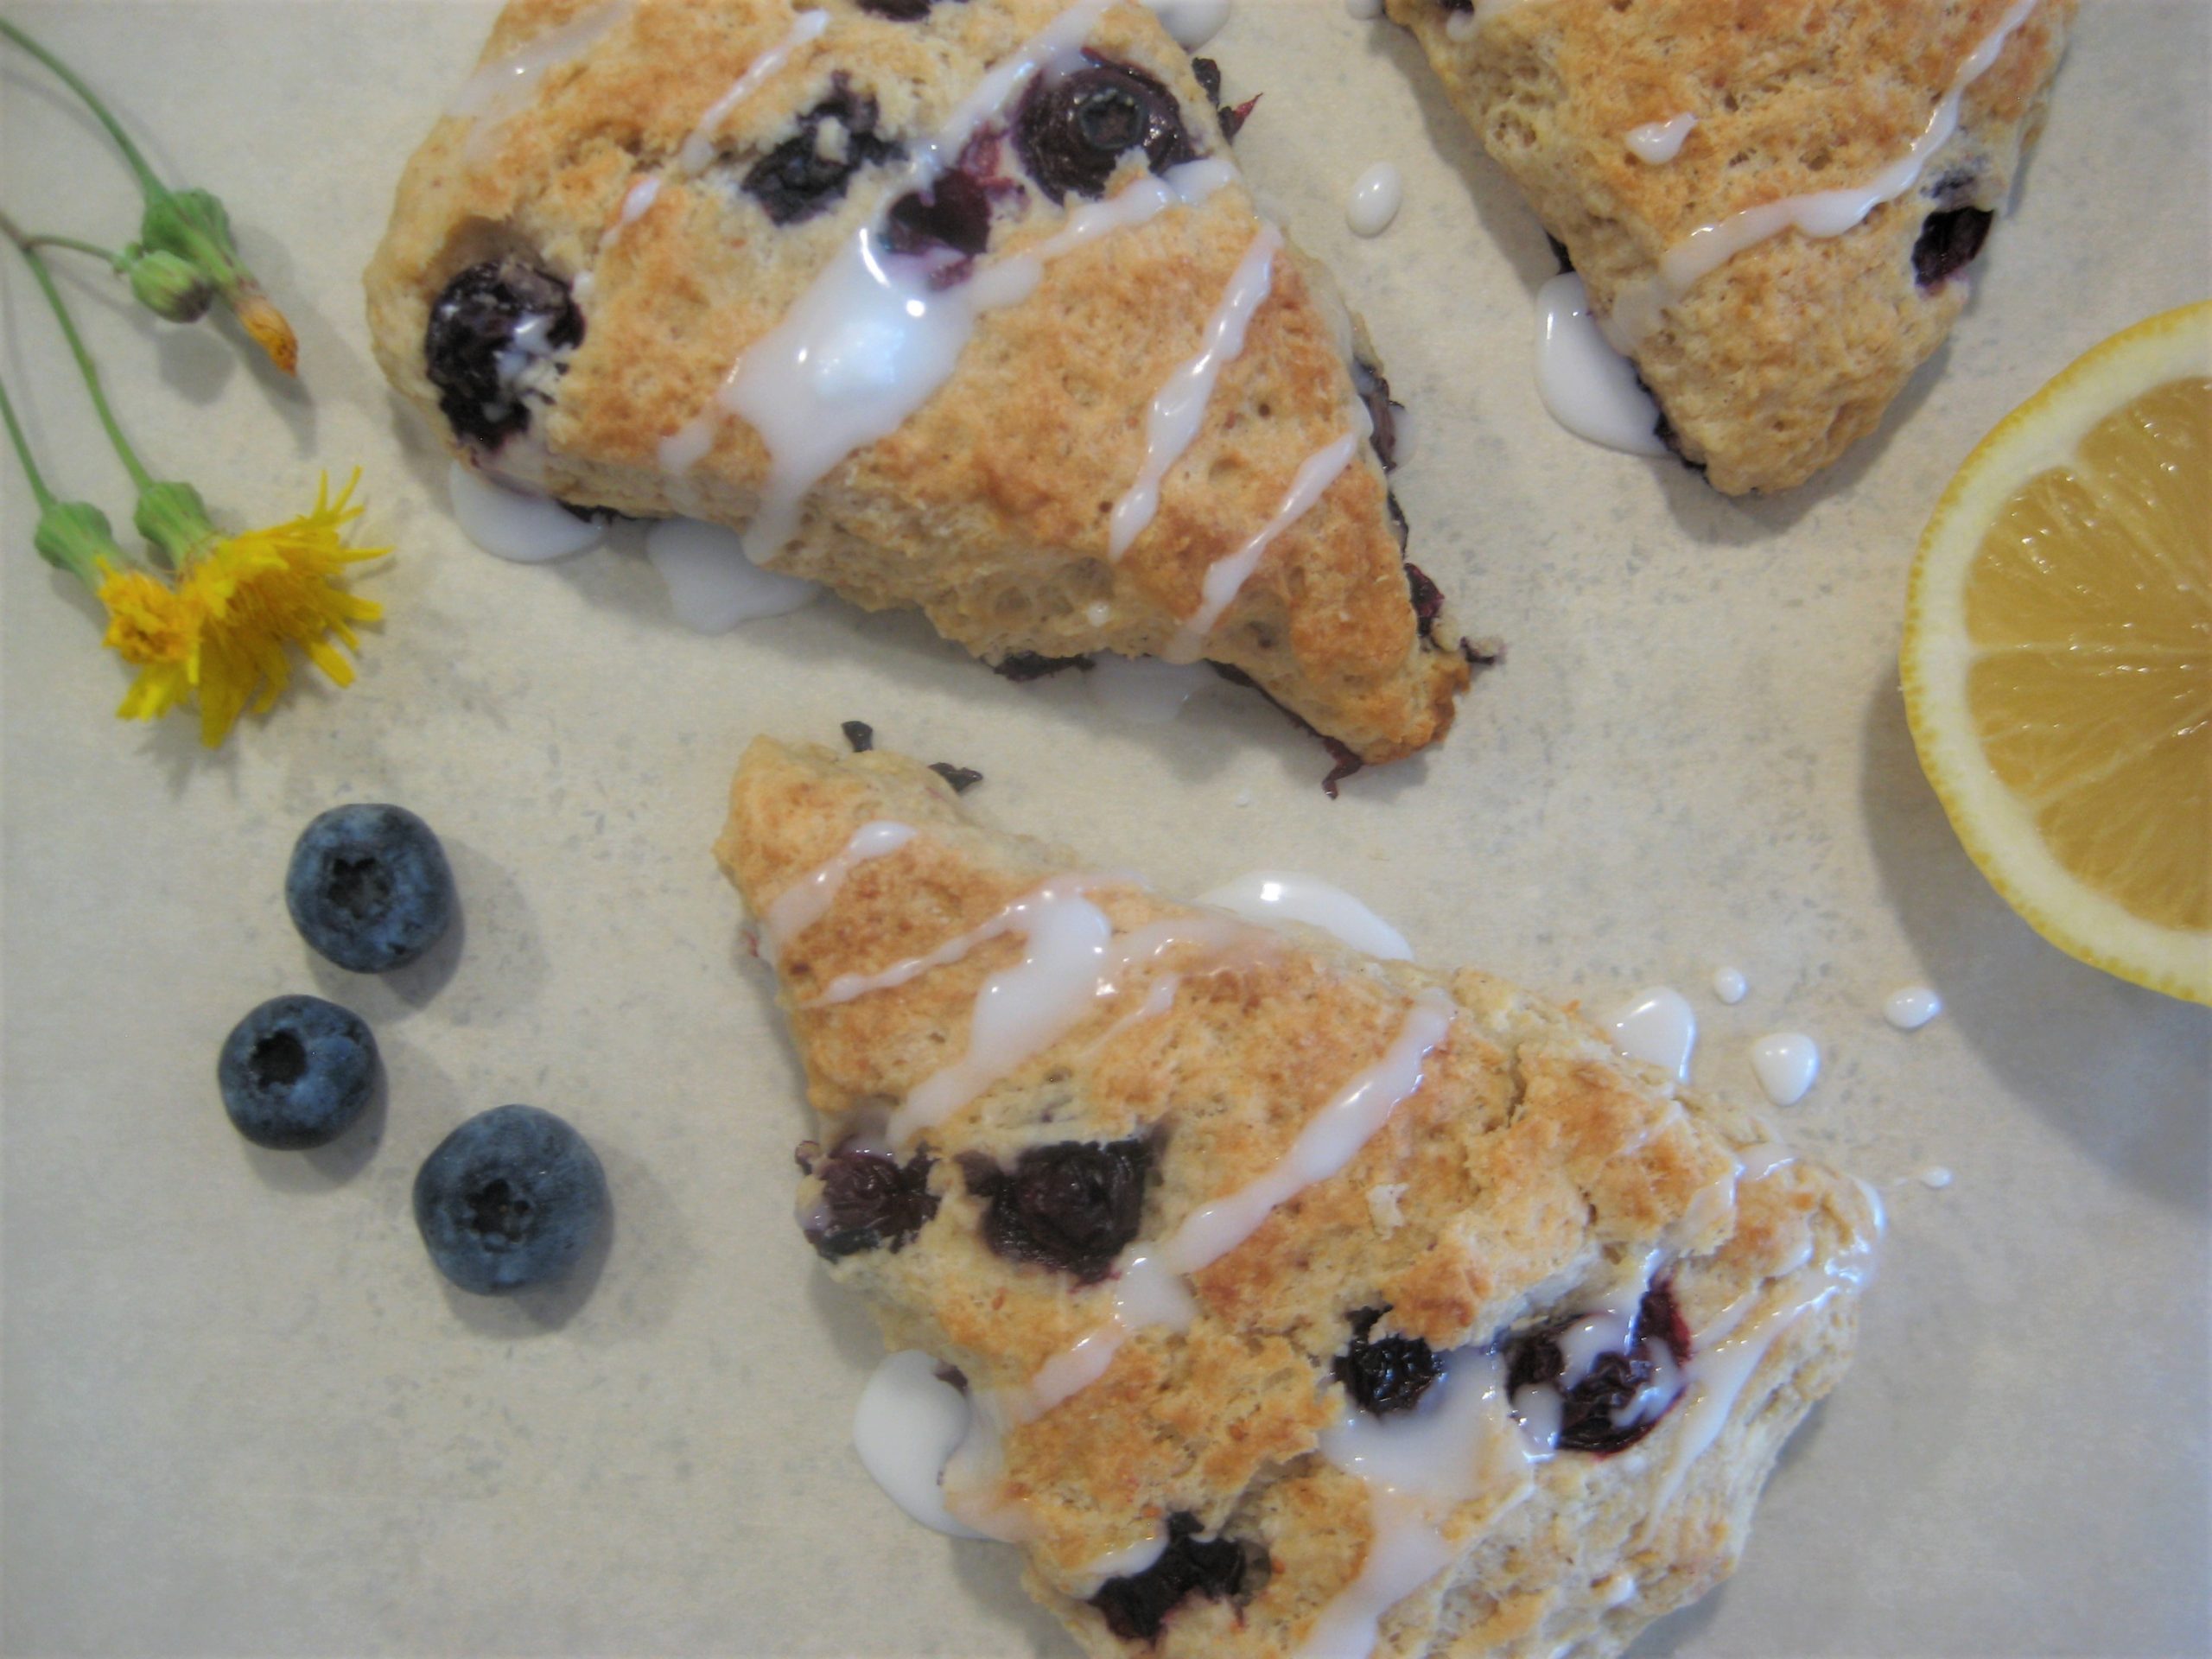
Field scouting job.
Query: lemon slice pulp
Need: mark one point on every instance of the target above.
(2057, 661)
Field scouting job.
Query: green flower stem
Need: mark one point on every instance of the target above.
(75, 246)
(86, 366)
(153, 187)
(39, 492)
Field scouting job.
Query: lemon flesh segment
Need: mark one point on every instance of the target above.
(2087, 612)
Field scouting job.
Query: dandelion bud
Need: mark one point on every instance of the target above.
(169, 285)
(75, 537)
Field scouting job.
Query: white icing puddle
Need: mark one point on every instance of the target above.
(1192, 22)
(1934, 1178)
(907, 1428)
(1273, 897)
(1786, 1064)
(1143, 691)
(1658, 1027)
(1658, 142)
(1913, 1007)
(1590, 388)
(1730, 985)
(712, 586)
(1375, 196)
(514, 525)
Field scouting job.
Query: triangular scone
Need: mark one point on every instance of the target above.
(1179, 1189)
(1852, 157)
(957, 298)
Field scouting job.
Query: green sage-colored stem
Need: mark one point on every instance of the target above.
(22, 452)
(75, 246)
(86, 366)
(43, 496)
(155, 191)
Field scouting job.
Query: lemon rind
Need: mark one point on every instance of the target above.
(1995, 827)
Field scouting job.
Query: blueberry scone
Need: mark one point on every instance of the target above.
(962, 306)
(1306, 1303)
(1770, 205)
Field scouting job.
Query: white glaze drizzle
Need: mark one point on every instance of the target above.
(1911, 1008)
(1149, 1287)
(807, 901)
(1641, 304)
(1762, 1160)
(869, 340)
(698, 149)
(636, 201)
(1274, 897)
(518, 526)
(502, 87)
(1178, 406)
(712, 586)
(1455, 1444)
(1021, 1011)
(1590, 388)
(1786, 1063)
(1728, 1349)
(846, 987)
(1377, 195)
(1658, 142)
(906, 1428)
(1225, 577)
(1657, 1027)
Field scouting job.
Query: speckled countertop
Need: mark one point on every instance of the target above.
(242, 1415)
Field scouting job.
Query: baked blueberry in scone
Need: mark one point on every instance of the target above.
(962, 306)
(1771, 207)
(1306, 1303)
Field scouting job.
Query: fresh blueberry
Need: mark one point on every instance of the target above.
(1384, 1374)
(1071, 1206)
(1137, 1606)
(495, 339)
(510, 1199)
(807, 173)
(870, 1202)
(297, 1072)
(1071, 133)
(368, 887)
(1608, 1409)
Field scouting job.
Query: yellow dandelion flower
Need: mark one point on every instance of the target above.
(219, 636)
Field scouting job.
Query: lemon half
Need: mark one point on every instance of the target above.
(2058, 659)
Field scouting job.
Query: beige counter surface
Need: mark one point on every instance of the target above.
(242, 1415)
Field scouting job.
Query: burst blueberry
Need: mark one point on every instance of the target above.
(1071, 1206)
(1384, 1374)
(369, 886)
(512, 1199)
(497, 335)
(807, 173)
(297, 1072)
(1136, 1606)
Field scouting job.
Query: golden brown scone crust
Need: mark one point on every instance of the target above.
(1529, 1165)
(987, 508)
(1768, 369)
